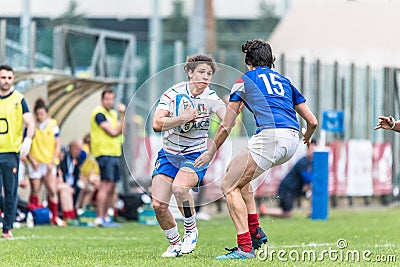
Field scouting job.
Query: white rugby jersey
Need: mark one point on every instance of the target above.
(194, 139)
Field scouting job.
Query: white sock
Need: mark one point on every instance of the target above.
(190, 223)
(173, 235)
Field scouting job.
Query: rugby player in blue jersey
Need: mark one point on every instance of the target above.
(274, 101)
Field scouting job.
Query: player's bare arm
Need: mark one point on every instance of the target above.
(57, 152)
(162, 122)
(29, 122)
(223, 131)
(107, 127)
(33, 161)
(121, 108)
(221, 113)
(312, 123)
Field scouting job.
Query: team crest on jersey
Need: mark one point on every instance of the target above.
(157, 164)
(202, 108)
(17, 105)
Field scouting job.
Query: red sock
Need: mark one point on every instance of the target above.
(34, 200)
(244, 241)
(69, 214)
(72, 214)
(253, 223)
(53, 207)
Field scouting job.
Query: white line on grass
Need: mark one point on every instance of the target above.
(108, 238)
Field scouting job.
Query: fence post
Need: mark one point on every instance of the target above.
(318, 89)
(368, 125)
(302, 79)
(283, 65)
(352, 100)
(3, 36)
(32, 50)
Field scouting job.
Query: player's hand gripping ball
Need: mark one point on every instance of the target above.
(184, 107)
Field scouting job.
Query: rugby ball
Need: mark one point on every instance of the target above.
(183, 102)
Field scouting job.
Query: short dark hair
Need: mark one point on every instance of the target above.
(107, 91)
(258, 53)
(193, 61)
(40, 104)
(6, 67)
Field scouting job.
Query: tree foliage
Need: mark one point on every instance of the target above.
(176, 25)
(71, 16)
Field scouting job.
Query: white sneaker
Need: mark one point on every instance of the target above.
(58, 222)
(98, 221)
(189, 241)
(173, 251)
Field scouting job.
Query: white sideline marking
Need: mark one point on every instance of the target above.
(26, 237)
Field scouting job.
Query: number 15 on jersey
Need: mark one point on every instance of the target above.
(272, 85)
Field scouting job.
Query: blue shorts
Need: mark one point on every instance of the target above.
(169, 164)
(109, 168)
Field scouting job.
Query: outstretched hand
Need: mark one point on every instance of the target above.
(385, 123)
(204, 158)
(306, 139)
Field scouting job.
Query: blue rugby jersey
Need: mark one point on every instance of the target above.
(270, 96)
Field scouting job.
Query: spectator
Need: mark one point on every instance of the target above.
(105, 131)
(14, 113)
(43, 159)
(89, 180)
(295, 184)
(68, 189)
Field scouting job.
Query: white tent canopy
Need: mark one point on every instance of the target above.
(363, 32)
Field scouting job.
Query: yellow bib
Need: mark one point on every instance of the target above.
(101, 143)
(11, 122)
(44, 143)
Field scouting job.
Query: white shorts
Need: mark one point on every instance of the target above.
(40, 172)
(272, 147)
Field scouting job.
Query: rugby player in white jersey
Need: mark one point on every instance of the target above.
(185, 138)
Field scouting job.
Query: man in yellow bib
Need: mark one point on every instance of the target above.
(105, 131)
(14, 113)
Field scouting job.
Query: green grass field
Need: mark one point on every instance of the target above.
(371, 231)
